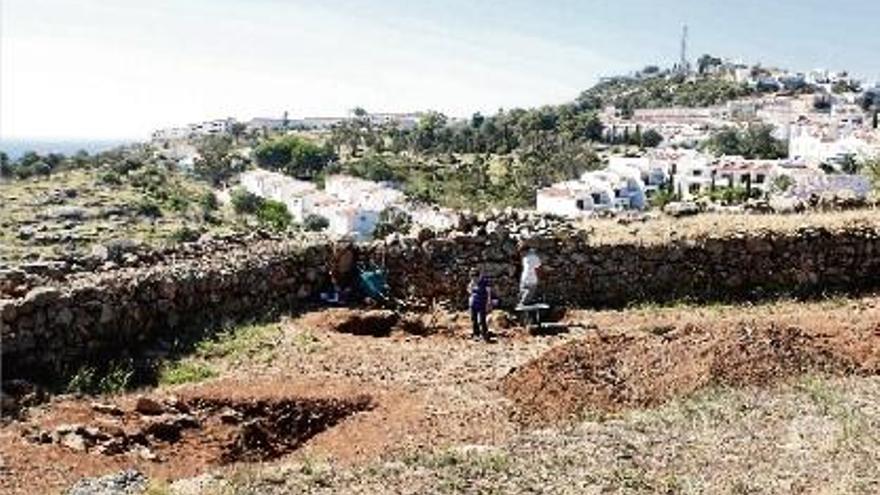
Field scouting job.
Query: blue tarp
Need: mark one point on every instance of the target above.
(374, 284)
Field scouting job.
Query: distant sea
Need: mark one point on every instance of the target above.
(17, 147)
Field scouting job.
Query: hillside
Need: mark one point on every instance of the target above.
(658, 91)
(70, 211)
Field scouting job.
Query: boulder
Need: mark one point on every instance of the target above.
(148, 406)
(41, 296)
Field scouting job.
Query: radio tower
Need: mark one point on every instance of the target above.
(684, 66)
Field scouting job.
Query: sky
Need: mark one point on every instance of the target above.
(117, 69)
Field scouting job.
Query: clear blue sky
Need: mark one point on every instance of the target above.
(119, 68)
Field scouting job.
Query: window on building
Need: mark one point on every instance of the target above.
(698, 173)
(694, 188)
(760, 178)
(597, 198)
(579, 204)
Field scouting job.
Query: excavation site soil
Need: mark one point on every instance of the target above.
(357, 386)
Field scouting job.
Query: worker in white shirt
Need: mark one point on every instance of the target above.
(528, 282)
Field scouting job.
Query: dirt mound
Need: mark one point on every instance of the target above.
(616, 371)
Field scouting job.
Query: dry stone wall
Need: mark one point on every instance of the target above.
(90, 316)
(54, 328)
(575, 273)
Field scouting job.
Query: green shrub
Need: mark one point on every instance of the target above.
(245, 202)
(392, 220)
(178, 201)
(274, 215)
(315, 223)
(148, 208)
(110, 177)
(661, 198)
(115, 379)
(185, 234)
(152, 179)
(184, 372)
(208, 201)
(782, 183)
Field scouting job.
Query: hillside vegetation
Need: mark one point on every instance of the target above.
(661, 91)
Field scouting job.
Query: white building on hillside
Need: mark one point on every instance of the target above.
(808, 145)
(691, 177)
(363, 193)
(575, 198)
(736, 171)
(301, 198)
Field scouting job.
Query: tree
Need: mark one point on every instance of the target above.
(5, 165)
(245, 202)
(756, 141)
(237, 130)
(427, 135)
(293, 156)
(651, 138)
(274, 214)
(392, 220)
(706, 62)
(315, 223)
(215, 162)
(42, 168)
(822, 103)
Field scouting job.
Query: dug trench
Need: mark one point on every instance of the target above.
(195, 429)
(184, 434)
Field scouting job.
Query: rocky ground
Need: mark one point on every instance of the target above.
(350, 402)
(51, 218)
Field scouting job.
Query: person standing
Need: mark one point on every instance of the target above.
(480, 302)
(528, 282)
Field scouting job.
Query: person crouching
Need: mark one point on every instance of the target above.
(480, 302)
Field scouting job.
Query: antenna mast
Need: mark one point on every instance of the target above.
(684, 65)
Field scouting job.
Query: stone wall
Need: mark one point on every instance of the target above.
(576, 273)
(84, 316)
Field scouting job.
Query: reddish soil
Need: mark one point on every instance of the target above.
(201, 427)
(611, 371)
(329, 386)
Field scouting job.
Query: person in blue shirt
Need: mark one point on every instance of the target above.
(480, 302)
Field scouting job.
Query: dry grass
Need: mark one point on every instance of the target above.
(664, 229)
(812, 436)
(27, 203)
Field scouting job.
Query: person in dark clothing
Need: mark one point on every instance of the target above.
(480, 302)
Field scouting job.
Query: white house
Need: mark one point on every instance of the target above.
(363, 193)
(206, 128)
(300, 197)
(692, 177)
(806, 144)
(351, 221)
(626, 185)
(575, 198)
(735, 171)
